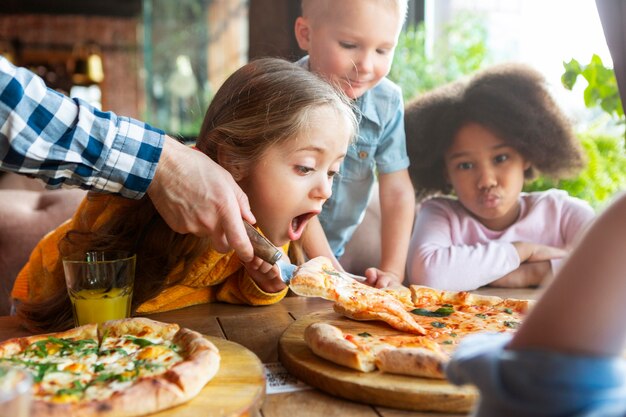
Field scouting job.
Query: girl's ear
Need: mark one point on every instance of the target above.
(225, 160)
(303, 33)
(527, 165)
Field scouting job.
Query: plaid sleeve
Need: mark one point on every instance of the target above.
(67, 142)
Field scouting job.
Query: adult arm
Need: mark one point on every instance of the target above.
(566, 358)
(582, 311)
(67, 142)
(438, 260)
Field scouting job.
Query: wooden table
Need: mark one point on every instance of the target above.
(258, 329)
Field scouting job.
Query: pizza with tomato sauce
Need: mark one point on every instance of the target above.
(127, 367)
(430, 322)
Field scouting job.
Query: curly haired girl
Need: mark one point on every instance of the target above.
(280, 131)
(472, 146)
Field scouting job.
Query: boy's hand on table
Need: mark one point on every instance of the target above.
(380, 279)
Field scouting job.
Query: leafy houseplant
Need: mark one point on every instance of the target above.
(605, 173)
(601, 88)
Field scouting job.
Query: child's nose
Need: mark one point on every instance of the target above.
(487, 179)
(323, 189)
(365, 62)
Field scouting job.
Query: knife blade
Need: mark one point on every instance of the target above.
(266, 250)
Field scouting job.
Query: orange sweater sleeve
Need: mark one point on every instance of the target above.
(213, 277)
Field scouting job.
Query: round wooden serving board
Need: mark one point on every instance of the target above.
(237, 389)
(376, 388)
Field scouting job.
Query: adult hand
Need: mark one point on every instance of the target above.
(195, 195)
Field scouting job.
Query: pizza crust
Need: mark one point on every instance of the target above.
(427, 295)
(327, 341)
(413, 361)
(423, 358)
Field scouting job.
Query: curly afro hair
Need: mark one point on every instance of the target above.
(512, 101)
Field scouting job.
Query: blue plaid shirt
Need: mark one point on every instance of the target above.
(66, 141)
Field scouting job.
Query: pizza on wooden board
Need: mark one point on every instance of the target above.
(444, 317)
(127, 367)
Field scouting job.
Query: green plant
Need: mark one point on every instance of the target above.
(461, 51)
(601, 90)
(604, 175)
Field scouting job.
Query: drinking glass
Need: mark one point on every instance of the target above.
(15, 392)
(100, 285)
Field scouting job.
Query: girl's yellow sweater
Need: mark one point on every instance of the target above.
(212, 277)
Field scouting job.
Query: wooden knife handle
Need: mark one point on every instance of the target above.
(263, 248)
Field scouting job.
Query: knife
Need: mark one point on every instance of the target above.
(266, 250)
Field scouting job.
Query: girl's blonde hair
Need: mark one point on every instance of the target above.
(263, 104)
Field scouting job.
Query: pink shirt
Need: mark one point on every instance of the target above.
(451, 250)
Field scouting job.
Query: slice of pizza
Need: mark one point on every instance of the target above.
(397, 354)
(318, 278)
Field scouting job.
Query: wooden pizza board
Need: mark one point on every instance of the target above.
(238, 388)
(376, 388)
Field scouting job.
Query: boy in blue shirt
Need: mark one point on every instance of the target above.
(351, 43)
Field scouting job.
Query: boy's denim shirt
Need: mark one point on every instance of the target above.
(380, 148)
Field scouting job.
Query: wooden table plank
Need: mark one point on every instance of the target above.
(313, 403)
(194, 318)
(259, 332)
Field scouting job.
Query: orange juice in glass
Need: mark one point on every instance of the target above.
(100, 285)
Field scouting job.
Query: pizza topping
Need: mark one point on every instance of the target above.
(440, 312)
(139, 341)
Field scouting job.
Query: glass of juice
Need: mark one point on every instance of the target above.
(15, 392)
(100, 285)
